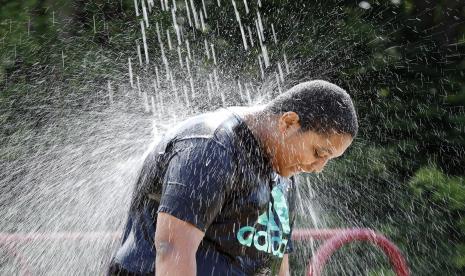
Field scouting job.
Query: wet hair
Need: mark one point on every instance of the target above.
(322, 107)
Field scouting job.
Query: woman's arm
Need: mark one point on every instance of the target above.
(284, 270)
(176, 243)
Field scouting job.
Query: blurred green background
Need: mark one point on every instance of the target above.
(403, 62)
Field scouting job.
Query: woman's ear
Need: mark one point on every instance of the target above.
(289, 123)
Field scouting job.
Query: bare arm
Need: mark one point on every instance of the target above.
(284, 270)
(176, 243)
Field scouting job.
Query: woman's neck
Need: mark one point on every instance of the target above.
(262, 124)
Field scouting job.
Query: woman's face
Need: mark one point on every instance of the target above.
(307, 151)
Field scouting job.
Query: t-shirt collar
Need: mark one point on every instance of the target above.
(252, 145)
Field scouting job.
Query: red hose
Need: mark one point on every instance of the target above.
(337, 238)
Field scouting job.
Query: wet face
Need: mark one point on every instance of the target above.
(307, 151)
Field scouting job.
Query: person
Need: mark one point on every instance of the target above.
(216, 195)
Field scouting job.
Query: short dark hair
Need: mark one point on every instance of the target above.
(322, 107)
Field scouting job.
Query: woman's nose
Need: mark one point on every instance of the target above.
(321, 164)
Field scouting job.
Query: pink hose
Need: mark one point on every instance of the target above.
(336, 238)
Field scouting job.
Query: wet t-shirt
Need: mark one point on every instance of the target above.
(211, 172)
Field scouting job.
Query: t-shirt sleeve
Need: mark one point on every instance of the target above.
(196, 181)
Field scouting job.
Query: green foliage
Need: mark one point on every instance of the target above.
(444, 189)
(382, 272)
(447, 193)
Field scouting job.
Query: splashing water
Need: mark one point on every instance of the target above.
(66, 185)
(69, 160)
(73, 175)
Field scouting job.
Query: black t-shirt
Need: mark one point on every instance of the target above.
(211, 172)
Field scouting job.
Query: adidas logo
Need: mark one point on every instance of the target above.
(273, 237)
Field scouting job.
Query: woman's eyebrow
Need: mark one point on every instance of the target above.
(326, 150)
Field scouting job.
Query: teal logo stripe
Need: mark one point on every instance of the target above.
(271, 239)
